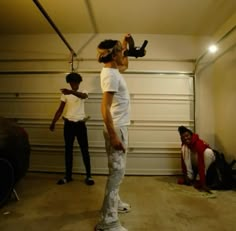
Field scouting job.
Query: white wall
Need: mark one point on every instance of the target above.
(225, 97)
(164, 47)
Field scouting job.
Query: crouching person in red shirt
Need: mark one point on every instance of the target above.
(196, 158)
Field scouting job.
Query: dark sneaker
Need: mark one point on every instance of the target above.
(89, 181)
(64, 180)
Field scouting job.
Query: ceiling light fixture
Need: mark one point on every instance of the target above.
(213, 48)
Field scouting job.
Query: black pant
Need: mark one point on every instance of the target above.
(78, 130)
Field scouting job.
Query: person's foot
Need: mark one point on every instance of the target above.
(123, 207)
(119, 228)
(89, 181)
(184, 181)
(64, 181)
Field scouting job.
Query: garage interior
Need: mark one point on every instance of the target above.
(178, 82)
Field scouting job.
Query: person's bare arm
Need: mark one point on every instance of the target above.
(57, 115)
(80, 95)
(125, 64)
(107, 118)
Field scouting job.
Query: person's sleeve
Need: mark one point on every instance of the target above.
(183, 166)
(63, 98)
(109, 83)
(201, 164)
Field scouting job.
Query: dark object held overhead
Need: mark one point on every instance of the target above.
(135, 51)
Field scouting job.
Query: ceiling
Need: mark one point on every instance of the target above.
(183, 17)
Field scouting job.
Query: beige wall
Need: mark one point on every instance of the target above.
(225, 93)
(216, 95)
(225, 98)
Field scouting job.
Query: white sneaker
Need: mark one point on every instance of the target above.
(123, 207)
(121, 228)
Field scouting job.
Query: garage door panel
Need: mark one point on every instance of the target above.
(159, 84)
(159, 104)
(161, 110)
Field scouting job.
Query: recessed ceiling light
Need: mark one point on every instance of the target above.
(213, 48)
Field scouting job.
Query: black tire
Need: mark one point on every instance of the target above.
(6, 181)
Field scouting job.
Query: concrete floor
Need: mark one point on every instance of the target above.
(158, 203)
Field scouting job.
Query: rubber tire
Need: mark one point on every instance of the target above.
(6, 180)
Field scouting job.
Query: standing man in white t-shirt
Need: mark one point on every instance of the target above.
(74, 126)
(115, 108)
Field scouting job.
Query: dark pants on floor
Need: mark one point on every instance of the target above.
(78, 130)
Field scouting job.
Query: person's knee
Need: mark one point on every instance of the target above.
(209, 154)
(209, 157)
(117, 175)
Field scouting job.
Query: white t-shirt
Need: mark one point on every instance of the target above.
(113, 81)
(74, 107)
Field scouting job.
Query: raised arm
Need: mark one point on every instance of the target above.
(124, 43)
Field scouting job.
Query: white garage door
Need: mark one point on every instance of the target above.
(160, 102)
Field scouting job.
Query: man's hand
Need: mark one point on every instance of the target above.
(125, 41)
(52, 127)
(201, 187)
(116, 144)
(205, 189)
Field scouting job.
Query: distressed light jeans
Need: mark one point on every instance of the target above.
(116, 164)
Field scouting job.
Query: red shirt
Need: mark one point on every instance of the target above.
(197, 146)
